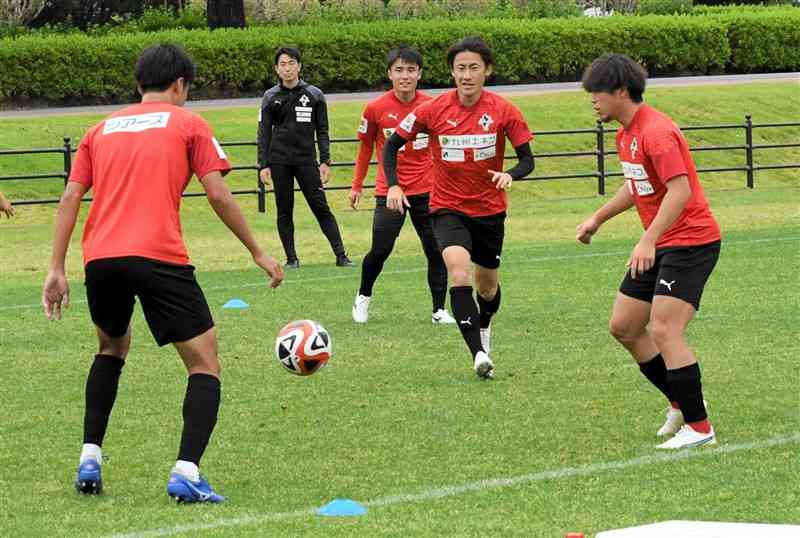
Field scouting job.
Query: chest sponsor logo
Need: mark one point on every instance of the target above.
(220, 151)
(137, 123)
(408, 123)
(304, 100)
(638, 180)
(469, 141)
(485, 122)
(303, 113)
(453, 155)
(363, 126)
(421, 142)
(485, 153)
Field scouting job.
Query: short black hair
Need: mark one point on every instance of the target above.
(289, 51)
(611, 72)
(471, 44)
(161, 65)
(409, 55)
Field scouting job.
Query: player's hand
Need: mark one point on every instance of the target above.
(55, 294)
(324, 173)
(396, 200)
(271, 266)
(642, 258)
(586, 230)
(501, 180)
(266, 177)
(6, 207)
(354, 197)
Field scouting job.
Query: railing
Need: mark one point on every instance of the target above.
(599, 173)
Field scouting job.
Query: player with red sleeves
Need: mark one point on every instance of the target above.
(378, 122)
(138, 162)
(467, 128)
(675, 256)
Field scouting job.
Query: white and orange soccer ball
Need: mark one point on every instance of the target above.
(303, 347)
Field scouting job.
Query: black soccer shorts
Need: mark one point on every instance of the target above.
(481, 236)
(680, 272)
(172, 301)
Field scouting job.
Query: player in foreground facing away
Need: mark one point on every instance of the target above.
(378, 122)
(467, 128)
(138, 162)
(673, 259)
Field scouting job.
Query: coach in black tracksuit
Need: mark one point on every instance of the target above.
(292, 112)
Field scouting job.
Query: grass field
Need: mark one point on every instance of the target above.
(563, 440)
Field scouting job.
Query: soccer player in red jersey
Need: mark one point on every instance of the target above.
(378, 122)
(138, 162)
(467, 128)
(673, 259)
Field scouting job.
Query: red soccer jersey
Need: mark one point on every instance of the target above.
(138, 162)
(467, 142)
(653, 151)
(378, 122)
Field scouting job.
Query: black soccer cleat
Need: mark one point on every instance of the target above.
(292, 263)
(344, 261)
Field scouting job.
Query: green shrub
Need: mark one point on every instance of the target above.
(353, 10)
(664, 7)
(763, 40)
(287, 12)
(536, 9)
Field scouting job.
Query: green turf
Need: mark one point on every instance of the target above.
(399, 411)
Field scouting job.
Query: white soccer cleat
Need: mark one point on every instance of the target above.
(672, 424)
(689, 438)
(486, 339)
(442, 316)
(484, 366)
(361, 308)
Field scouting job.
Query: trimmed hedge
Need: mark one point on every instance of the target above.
(76, 68)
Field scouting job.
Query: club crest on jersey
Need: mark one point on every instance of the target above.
(634, 147)
(304, 100)
(485, 121)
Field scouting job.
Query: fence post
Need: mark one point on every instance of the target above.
(601, 160)
(262, 201)
(67, 159)
(748, 137)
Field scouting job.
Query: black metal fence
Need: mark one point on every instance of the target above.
(599, 173)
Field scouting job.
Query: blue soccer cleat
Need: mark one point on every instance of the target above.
(89, 479)
(184, 490)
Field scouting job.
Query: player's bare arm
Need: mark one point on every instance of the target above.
(644, 253)
(229, 212)
(395, 198)
(55, 293)
(621, 202)
(5, 206)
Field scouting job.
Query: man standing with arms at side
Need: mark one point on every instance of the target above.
(467, 128)
(378, 122)
(138, 162)
(673, 259)
(291, 114)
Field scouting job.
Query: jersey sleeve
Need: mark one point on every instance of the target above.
(416, 122)
(81, 171)
(662, 147)
(368, 127)
(205, 154)
(516, 128)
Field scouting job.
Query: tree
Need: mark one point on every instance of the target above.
(20, 12)
(225, 13)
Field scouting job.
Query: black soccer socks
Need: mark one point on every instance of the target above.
(488, 308)
(656, 372)
(101, 392)
(686, 389)
(466, 313)
(200, 408)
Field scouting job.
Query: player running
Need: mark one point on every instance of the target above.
(378, 122)
(138, 162)
(467, 129)
(673, 259)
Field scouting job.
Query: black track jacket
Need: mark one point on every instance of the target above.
(287, 122)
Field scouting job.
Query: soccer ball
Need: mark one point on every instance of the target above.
(303, 347)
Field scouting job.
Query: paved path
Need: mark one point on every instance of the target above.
(254, 102)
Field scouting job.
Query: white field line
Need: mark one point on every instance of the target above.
(351, 273)
(481, 485)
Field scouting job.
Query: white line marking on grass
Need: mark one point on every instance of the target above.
(421, 269)
(481, 485)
